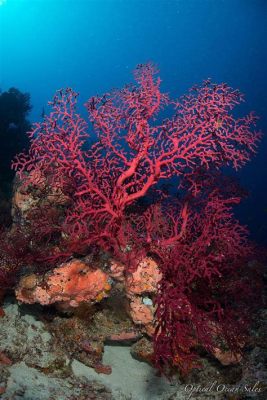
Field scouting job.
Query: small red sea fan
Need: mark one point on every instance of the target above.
(208, 292)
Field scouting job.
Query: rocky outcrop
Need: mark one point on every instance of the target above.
(72, 283)
(141, 286)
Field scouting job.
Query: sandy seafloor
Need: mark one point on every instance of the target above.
(25, 339)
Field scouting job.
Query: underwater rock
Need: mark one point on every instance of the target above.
(29, 282)
(124, 337)
(73, 282)
(22, 202)
(26, 382)
(227, 357)
(142, 314)
(4, 359)
(95, 351)
(84, 334)
(145, 279)
(103, 369)
(140, 286)
(143, 351)
(93, 347)
(22, 336)
(39, 193)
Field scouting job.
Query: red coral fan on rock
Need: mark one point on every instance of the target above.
(132, 152)
(207, 290)
(114, 202)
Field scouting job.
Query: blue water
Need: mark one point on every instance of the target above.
(93, 46)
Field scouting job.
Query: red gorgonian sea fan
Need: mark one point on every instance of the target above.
(208, 288)
(134, 151)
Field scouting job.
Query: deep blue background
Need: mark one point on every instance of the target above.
(93, 45)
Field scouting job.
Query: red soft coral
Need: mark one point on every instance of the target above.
(200, 248)
(134, 150)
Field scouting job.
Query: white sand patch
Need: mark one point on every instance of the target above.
(131, 378)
